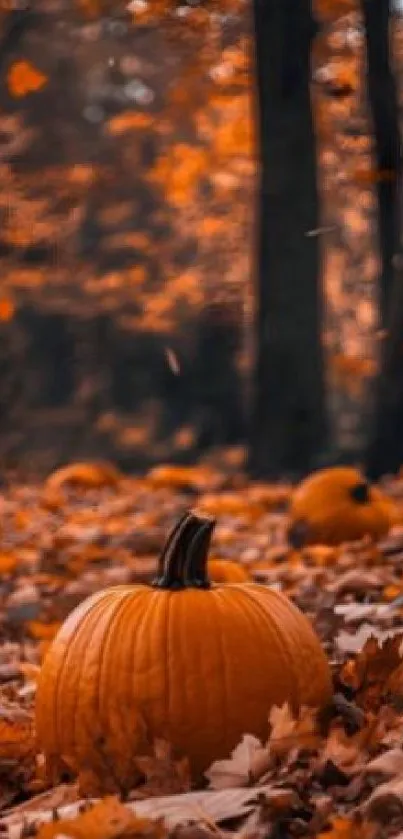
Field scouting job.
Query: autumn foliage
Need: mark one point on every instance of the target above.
(88, 527)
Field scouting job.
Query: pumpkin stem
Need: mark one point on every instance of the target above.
(197, 555)
(183, 561)
(361, 493)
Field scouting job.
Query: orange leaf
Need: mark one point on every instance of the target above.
(16, 739)
(7, 309)
(86, 475)
(43, 631)
(109, 819)
(8, 562)
(23, 78)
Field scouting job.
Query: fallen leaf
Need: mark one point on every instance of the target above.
(188, 808)
(385, 802)
(248, 762)
(369, 672)
(87, 475)
(163, 774)
(108, 819)
(388, 764)
(288, 732)
(23, 78)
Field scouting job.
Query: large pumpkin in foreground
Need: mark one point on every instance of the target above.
(338, 505)
(196, 664)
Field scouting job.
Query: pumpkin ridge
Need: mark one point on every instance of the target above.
(281, 638)
(103, 692)
(168, 629)
(53, 717)
(97, 598)
(295, 613)
(77, 717)
(138, 654)
(226, 694)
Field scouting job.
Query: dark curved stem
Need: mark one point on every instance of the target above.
(168, 544)
(184, 557)
(196, 560)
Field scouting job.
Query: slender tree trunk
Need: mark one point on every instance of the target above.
(384, 107)
(384, 453)
(385, 447)
(288, 424)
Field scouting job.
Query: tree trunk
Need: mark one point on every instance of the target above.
(384, 452)
(384, 107)
(288, 425)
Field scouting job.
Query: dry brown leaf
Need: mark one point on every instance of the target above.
(108, 819)
(288, 732)
(349, 828)
(369, 673)
(385, 802)
(387, 765)
(248, 762)
(207, 807)
(345, 752)
(163, 774)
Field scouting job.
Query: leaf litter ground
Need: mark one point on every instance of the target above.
(336, 773)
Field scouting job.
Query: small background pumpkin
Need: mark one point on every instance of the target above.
(226, 571)
(195, 665)
(338, 505)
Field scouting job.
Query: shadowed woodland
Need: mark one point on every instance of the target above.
(130, 203)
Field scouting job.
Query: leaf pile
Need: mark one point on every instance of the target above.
(335, 772)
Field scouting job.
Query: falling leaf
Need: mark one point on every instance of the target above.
(172, 360)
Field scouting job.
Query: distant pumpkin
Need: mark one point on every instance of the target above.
(338, 505)
(227, 571)
(196, 664)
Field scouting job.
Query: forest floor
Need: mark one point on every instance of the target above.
(128, 169)
(337, 776)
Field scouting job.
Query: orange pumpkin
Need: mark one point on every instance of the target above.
(196, 664)
(226, 571)
(338, 505)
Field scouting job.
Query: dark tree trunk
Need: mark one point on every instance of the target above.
(288, 424)
(384, 107)
(384, 453)
(385, 448)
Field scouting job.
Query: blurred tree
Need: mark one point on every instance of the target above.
(385, 448)
(383, 102)
(288, 424)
